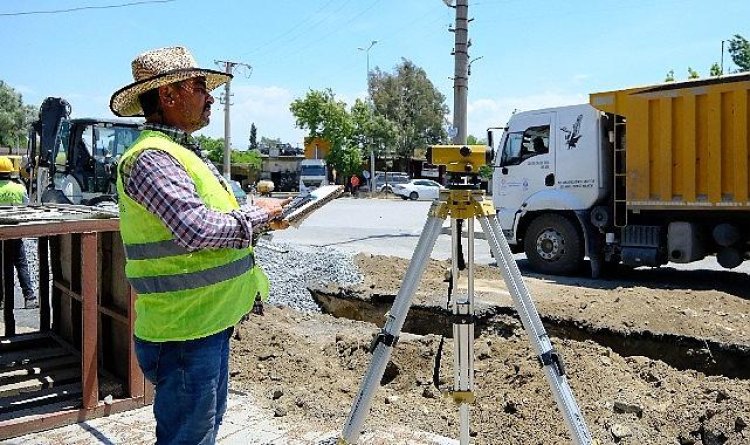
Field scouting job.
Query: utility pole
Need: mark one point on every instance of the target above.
(461, 71)
(367, 84)
(228, 68)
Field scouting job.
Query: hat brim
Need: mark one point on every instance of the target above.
(124, 102)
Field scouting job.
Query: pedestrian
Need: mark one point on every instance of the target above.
(14, 193)
(354, 181)
(188, 245)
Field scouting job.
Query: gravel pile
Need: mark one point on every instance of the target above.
(291, 268)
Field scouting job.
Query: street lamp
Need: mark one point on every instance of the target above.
(367, 85)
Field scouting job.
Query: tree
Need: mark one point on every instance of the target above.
(693, 74)
(715, 70)
(670, 76)
(214, 147)
(371, 132)
(739, 49)
(325, 117)
(253, 137)
(251, 157)
(15, 117)
(409, 100)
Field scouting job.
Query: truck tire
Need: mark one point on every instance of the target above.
(553, 245)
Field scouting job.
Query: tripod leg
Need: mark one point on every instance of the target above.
(463, 337)
(385, 341)
(551, 361)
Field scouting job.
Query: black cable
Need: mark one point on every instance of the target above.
(81, 8)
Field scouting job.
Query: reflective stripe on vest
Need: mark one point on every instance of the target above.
(193, 280)
(158, 249)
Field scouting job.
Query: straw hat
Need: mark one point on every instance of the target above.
(160, 67)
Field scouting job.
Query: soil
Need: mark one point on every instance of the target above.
(671, 369)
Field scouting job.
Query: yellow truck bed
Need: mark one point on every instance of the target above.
(686, 143)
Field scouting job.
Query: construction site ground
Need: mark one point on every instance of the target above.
(653, 357)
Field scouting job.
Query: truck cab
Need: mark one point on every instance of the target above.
(313, 173)
(547, 176)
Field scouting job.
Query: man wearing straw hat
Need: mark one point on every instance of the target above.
(188, 245)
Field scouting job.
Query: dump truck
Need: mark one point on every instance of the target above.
(73, 161)
(641, 176)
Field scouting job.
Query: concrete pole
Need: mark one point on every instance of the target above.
(227, 125)
(461, 75)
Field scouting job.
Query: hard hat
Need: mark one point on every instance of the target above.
(6, 166)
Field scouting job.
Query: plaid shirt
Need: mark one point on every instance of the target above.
(159, 183)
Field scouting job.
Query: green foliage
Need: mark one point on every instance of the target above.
(251, 157)
(15, 117)
(670, 76)
(485, 172)
(325, 117)
(371, 132)
(214, 147)
(473, 140)
(409, 100)
(739, 49)
(715, 70)
(253, 137)
(693, 74)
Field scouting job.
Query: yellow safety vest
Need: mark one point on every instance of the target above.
(184, 294)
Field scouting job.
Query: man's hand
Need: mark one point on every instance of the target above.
(272, 206)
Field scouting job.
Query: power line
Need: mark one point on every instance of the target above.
(82, 8)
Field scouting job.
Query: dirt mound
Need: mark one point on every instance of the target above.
(308, 368)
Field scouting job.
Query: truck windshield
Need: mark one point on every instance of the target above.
(113, 141)
(312, 170)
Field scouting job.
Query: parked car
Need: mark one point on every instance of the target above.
(418, 189)
(384, 182)
(239, 194)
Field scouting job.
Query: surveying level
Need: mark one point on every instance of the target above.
(462, 202)
(462, 163)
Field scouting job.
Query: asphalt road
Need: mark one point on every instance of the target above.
(393, 226)
(378, 226)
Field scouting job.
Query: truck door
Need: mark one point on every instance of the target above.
(524, 165)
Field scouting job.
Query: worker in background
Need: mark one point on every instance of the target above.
(188, 245)
(354, 181)
(13, 192)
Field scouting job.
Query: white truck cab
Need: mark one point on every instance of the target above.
(313, 173)
(548, 173)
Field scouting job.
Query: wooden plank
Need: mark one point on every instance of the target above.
(50, 380)
(38, 368)
(90, 319)
(44, 397)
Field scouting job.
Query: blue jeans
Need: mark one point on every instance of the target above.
(191, 383)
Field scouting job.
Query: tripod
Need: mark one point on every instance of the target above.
(464, 204)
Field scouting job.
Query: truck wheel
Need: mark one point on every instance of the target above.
(553, 245)
(413, 196)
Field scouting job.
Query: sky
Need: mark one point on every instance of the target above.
(530, 54)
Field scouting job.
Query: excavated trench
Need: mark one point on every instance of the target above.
(679, 351)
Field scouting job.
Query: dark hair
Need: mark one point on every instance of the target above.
(150, 102)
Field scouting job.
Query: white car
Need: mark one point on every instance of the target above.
(418, 189)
